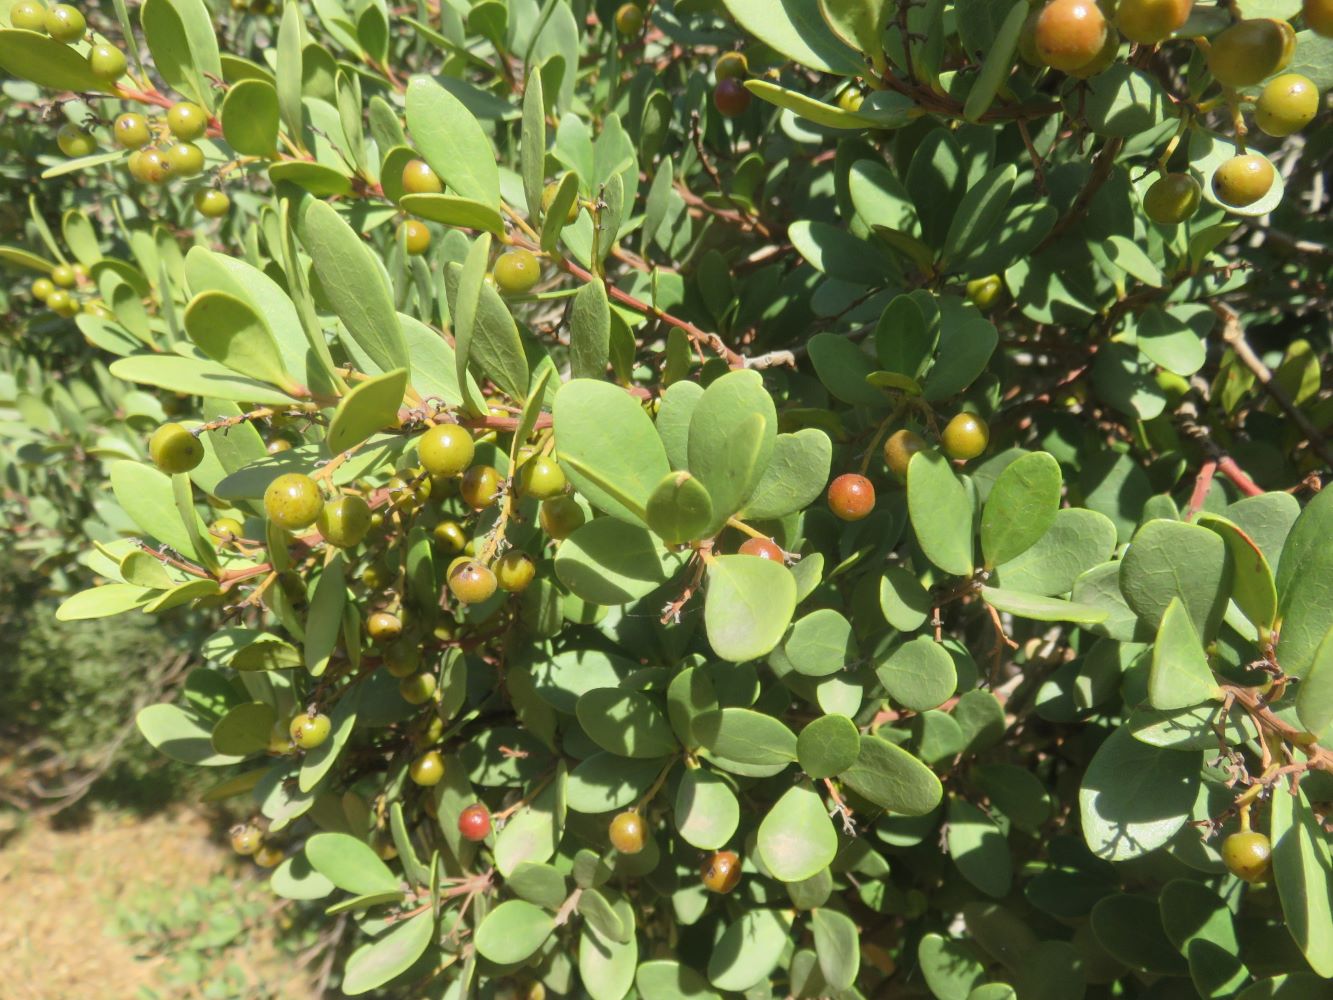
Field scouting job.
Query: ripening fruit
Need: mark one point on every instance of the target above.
(721, 872)
(63, 276)
(30, 15)
(474, 823)
(131, 130)
(446, 449)
(965, 437)
(1286, 104)
(185, 159)
(541, 478)
(763, 548)
(1243, 180)
(548, 195)
(293, 501)
(1171, 199)
(1103, 60)
(226, 528)
(731, 66)
(899, 447)
(174, 449)
(211, 203)
(309, 731)
(472, 582)
(560, 516)
(514, 571)
(450, 536)
(65, 23)
(106, 62)
(187, 120)
(246, 839)
(269, 856)
(629, 19)
(74, 141)
(1318, 16)
(344, 521)
(277, 446)
(983, 292)
(479, 486)
(1247, 855)
(1151, 21)
(731, 98)
(419, 178)
(1250, 51)
(42, 289)
(149, 166)
(517, 272)
(383, 627)
(851, 497)
(417, 689)
(62, 303)
(627, 833)
(402, 658)
(1070, 33)
(415, 237)
(427, 769)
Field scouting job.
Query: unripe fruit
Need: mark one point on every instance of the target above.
(277, 446)
(899, 447)
(450, 536)
(185, 159)
(106, 62)
(74, 141)
(1318, 16)
(246, 839)
(187, 120)
(414, 236)
(731, 66)
(42, 289)
(1171, 199)
(1243, 180)
(293, 501)
(1070, 33)
(211, 203)
(344, 521)
(548, 195)
(383, 627)
(1151, 21)
(1286, 104)
(309, 731)
(1247, 855)
(65, 23)
(419, 178)
(541, 478)
(514, 571)
(446, 449)
(149, 166)
(62, 303)
(30, 15)
(560, 517)
(226, 528)
(63, 276)
(131, 130)
(629, 19)
(851, 99)
(731, 98)
(965, 436)
(471, 582)
(721, 872)
(851, 497)
(474, 823)
(174, 449)
(269, 856)
(428, 769)
(1250, 51)
(417, 689)
(627, 833)
(402, 658)
(479, 486)
(763, 548)
(517, 272)
(983, 292)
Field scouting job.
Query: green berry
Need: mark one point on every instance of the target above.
(344, 522)
(63, 275)
(1171, 199)
(514, 571)
(42, 289)
(227, 529)
(414, 236)
(309, 731)
(1250, 51)
(211, 203)
(983, 292)
(174, 449)
(450, 536)
(472, 582)
(382, 626)
(402, 657)
(548, 195)
(899, 447)
(30, 15)
(479, 487)
(965, 436)
(131, 131)
(1243, 180)
(65, 23)
(419, 178)
(446, 449)
(1151, 21)
(293, 501)
(517, 272)
(428, 769)
(1247, 855)
(74, 141)
(269, 856)
(560, 517)
(541, 478)
(1286, 104)
(731, 66)
(629, 19)
(62, 303)
(106, 62)
(417, 689)
(149, 166)
(185, 159)
(187, 121)
(246, 839)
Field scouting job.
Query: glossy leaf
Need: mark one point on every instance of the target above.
(748, 604)
(941, 513)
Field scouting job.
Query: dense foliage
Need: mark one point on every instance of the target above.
(763, 497)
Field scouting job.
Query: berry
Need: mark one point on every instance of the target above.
(344, 522)
(479, 486)
(983, 292)
(450, 536)
(541, 478)
(185, 159)
(309, 731)
(106, 62)
(446, 449)
(226, 528)
(211, 203)
(187, 120)
(629, 19)
(731, 98)
(62, 303)
(721, 872)
(277, 446)
(1286, 104)
(965, 436)
(1103, 60)
(548, 195)
(65, 23)
(627, 833)
(1250, 51)
(417, 689)
(269, 856)
(1243, 180)
(1247, 855)
(293, 501)
(402, 658)
(42, 289)
(474, 823)
(471, 582)
(149, 166)
(1069, 33)
(30, 15)
(382, 626)
(74, 141)
(246, 839)
(514, 571)
(560, 517)
(851, 497)
(899, 448)
(1171, 199)
(517, 272)
(414, 236)
(763, 548)
(1027, 39)
(1151, 21)
(851, 99)
(174, 449)
(63, 275)
(131, 130)
(1318, 16)
(427, 769)
(731, 66)
(419, 178)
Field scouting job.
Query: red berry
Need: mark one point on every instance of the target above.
(474, 822)
(731, 98)
(764, 548)
(851, 497)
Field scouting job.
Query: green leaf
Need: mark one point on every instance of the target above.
(748, 605)
(318, 179)
(746, 736)
(452, 141)
(665, 979)
(706, 810)
(450, 210)
(940, 510)
(513, 931)
(967, 342)
(796, 839)
(250, 118)
(52, 65)
(606, 966)
(383, 960)
(606, 561)
(1170, 559)
(181, 735)
(1130, 929)
(540, 884)
(146, 496)
(626, 723)
(350, 864)
(733, 431)
(603, 781)
(995, 67)
(532, 146)
(1043, 609)
(891, 777)
(103, 601)
(1077, 540)
(1180, 676)
(903, 340)
(1252, 587)
(1305, 586)
(197, 377)
(950, 967)
(185, 50)
(554, 221)
(532, 834)
(1314, 697)
(826, 115)
(842, 367)
(590, 331)
(828, 746)
(295, 879)
(1020, 508)
(1191, 728)
(370, 407)
(919, 674)
(230, 332)
(795, 476)
(1199, 925)
(795, 28)
(748, 950)
(317, 763)
(1016, 792)
(838, 945)
(1304, 877)
(680, 509)
(859, 24)
(820, 643)
(980, 211)
(244, 729)
(904, 603)
(979, 849)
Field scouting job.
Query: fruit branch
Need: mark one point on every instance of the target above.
(1316, 756)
